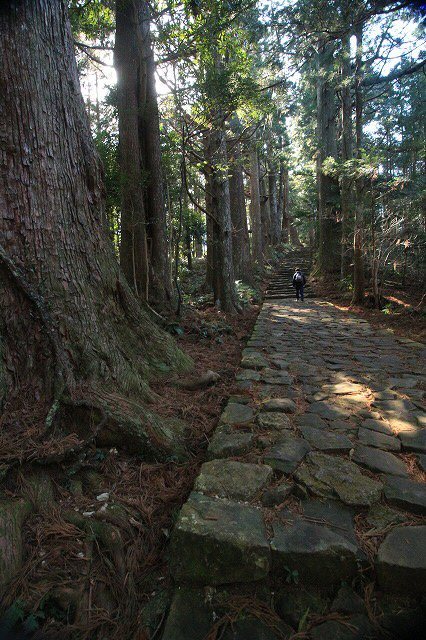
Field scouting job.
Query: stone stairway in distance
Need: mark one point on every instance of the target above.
(314, 487)
(280, 285)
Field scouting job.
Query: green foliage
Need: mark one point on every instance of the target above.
(292, 576)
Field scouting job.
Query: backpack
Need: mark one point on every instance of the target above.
(298, 277)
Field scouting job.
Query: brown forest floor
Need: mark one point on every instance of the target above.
(147, 497)
(402, 311)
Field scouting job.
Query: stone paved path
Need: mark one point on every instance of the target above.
(315, 476)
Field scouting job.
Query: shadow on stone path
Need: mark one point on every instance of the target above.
(314, 483)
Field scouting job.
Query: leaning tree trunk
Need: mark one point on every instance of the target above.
(140, 150)
(328, 196)
(71, 330)
(359, 280)
(255, 216)
(240, 235)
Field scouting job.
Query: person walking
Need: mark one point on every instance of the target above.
(299, 282)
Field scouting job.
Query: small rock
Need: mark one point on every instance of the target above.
(326, 440)
(406, 494)
(321, 557)
(377, 425)
(254, 361)
(414, 440)
(232, 479)
(286, 454)
(311, 420)
(235, 413)
(345, 388)
(102, 497)
(246, 375)
(190, 617)
(421, 460)
(347, 601)
(359, 629)
(280, 404)
(276, 495)
(401, 561)
(379, 461)
(274, 421)
(381, 516)
(227, 443)
(333, 515)
(330, 477)
(327, 410)
(217, 541)
(378, 440)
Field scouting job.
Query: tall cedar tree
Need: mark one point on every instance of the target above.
(143, 250)
(69, 325)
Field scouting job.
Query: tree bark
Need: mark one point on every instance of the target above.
(273, 200)
(240, 235)
(134, 61)
(225, 292)
(207, 171)
(359, 280)
(69, 323)
(265, 215)
(133, 245)
(328, 196)
(346, 190)
(284, 199)
(255, 217)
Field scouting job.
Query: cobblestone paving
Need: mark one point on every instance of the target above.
(316, 470)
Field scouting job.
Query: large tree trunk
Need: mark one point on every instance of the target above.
(225, 292)
(71, 330)
(329, 201)
(346, 190)
(255, 216)
(134, 60)
(133, 244)
(240, 235)
(359, 280)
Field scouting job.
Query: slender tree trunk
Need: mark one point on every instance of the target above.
(187, 233)
(207, 171)
(255, 217)
(359, 281)
(329, 201)
(240, 235)
(284, 187)
(149, 131)
(346, 190)
(265, 215)
(69, 322)
(134, 60)
(273, 201)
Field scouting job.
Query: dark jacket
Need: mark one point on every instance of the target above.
(299, 284)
